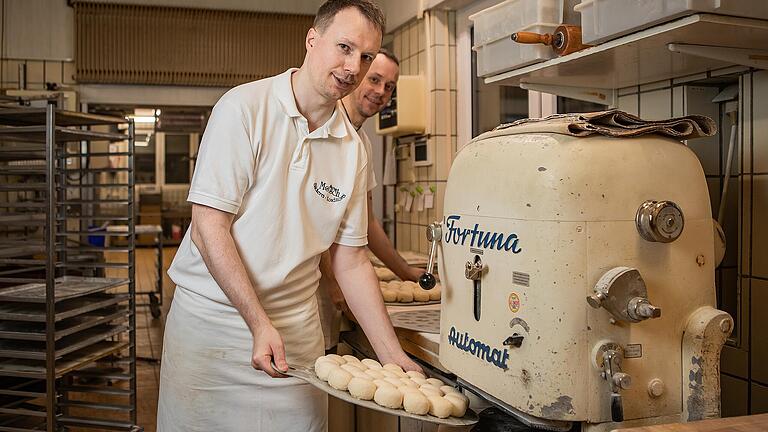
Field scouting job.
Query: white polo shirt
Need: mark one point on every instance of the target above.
(293, 192)
(369, 153)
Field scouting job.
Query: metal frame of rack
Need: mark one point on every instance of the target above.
(67, 300)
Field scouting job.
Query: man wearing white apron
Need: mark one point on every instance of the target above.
(371, 96)
(280, 178)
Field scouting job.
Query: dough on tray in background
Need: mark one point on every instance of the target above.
(397, 389)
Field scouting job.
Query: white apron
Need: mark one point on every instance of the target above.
(207, 383)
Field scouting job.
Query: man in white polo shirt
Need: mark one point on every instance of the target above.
(280, 178)
(371, 96)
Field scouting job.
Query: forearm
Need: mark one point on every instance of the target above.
(211, 233)
(360, 286)
(379, 244)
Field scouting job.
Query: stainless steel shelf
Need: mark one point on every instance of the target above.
(644, 57)
(35, 312)
(36, 116)
(68, 363)
(36, 350)
(31, 331)
(61, 134)
(66, 287)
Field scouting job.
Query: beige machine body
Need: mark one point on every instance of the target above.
(555, 305)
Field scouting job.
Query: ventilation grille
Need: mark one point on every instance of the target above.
(520, 278)
(131, 44)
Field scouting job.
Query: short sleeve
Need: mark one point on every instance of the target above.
(353, 230)
(371, 178)
(226, 161)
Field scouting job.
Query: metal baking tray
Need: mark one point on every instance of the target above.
(308, 375)
(67, 287)
(35, 331)
(36, 350)
(35, 312)
(68, 363)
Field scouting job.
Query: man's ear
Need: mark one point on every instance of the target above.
(309, 42)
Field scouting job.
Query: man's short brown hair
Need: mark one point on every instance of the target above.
(330, 8)
(390, 55)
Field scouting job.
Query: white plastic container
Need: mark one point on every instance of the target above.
(496, 52)
(602, 20)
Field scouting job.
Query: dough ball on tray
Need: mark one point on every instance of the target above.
(458, 402)
(361, 388)
(391, 397)
(415, 403)
(339, 379)
(439, 406)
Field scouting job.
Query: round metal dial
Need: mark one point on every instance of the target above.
(659, 221)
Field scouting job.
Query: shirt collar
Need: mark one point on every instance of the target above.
(336, 126)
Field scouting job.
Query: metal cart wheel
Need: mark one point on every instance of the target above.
(154, 305)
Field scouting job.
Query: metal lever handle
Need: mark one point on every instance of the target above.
(617, 408)
(427, 281)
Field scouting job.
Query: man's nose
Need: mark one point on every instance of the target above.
(352, 65)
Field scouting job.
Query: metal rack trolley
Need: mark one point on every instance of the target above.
(67, 301)
(154, 296)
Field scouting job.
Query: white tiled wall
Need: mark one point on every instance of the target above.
(410, 44)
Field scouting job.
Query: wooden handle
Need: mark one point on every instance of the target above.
(532, 38)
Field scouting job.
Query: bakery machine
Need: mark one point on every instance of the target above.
(577, 256)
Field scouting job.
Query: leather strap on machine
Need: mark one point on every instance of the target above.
(613, 123)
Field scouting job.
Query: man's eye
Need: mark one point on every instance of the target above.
(389, 87)
(344, 47)
(368, 59)
(375, 80)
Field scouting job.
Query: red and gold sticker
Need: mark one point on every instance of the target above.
(514, 302)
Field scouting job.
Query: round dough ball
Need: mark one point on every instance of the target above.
(405, 389)
(410, 285)
(339, 379)
(389, 295)
(350, 358)
(382, 383)
(374, 374)
(385, 274)
(388, 373)
(324, 368)
(394, 285)
(371, 363)
(350, 367)
(420, 381)
(392, 367)
(420, 295)
(446, 389)
(383, 285)
(412, 374)
(459, 404)
(409, 382)
(435, 382)
(429, 390)
(399, 374)
(391, 397)
(440, 407)
(394, 381)
(405, 296)
(415, 403)
(361, 374)
(335, 357)
(434, 293)
(361, 388)
(323, 360)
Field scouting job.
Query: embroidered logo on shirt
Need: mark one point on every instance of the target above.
(329, 192)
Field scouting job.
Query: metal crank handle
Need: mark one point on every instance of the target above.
(427, 281)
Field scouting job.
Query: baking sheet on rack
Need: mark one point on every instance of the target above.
(425, 321)
(66, 287)
(308, 375)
